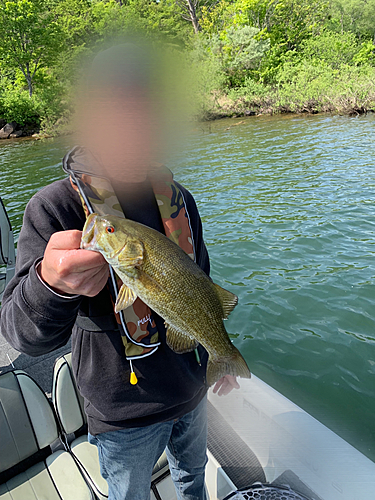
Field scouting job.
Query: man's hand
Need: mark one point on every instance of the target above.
(225, 385)
(69, 270)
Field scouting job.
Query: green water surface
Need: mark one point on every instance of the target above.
(288, 211)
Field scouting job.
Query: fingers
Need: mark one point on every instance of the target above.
(65, 240)
(78, 261)
(217, 386)
(95, 283)
(225, 385)
(220, 386)
(225, 388)
(88, 282)
(68, 269)
(233, 381)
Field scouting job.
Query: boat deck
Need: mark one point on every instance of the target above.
(40, 368)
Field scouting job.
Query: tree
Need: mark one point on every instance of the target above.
(237, 51)
(357, 16)
(238, 47)
(189, 12)
(31, 36)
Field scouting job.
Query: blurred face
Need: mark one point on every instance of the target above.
(119, 126)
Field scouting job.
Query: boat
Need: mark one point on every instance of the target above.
(7, 249)
(260, 444)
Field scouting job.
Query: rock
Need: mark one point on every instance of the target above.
(17, 133)
(2, 122)
(7, 130)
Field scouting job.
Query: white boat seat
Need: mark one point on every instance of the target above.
(69, 408)
(29, 470)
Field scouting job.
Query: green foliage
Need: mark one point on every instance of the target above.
(250, 90)
(293, 22)
(365, 54)
(270, 54)
(237, 47)
(207, 77)
(236, 51)
(19, 107)
(285, 25)
(356, 16)
(309, 87)
(334, 49)
(30, 36)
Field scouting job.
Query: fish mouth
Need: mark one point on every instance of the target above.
(88, 233)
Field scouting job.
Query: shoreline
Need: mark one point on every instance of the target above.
(209, 116)
(213, 116)
(243, 109)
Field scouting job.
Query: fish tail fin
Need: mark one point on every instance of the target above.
(234, 365)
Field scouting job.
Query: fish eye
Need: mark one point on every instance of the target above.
(110, 229)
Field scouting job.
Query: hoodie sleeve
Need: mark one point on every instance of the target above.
(34, 319)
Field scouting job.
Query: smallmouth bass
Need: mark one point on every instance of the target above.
(163, 276)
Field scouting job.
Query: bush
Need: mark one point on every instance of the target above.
(237, 50)
(249, 90)
(333, 49)
(318, 87)
(17, 106)
(44, 108)
(366, 54)
(207, 77)
(306, 86)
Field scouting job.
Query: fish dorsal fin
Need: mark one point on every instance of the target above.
(125, 298)
(180, 342)
(227, 299)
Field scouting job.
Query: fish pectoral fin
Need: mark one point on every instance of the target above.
(132, 254)
(125, 298)
(228, 300)
(180, 342)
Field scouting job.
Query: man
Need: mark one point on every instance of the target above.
(60, 291)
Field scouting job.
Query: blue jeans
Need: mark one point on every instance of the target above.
(127, 456)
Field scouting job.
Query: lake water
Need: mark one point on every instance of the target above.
(288, 211)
